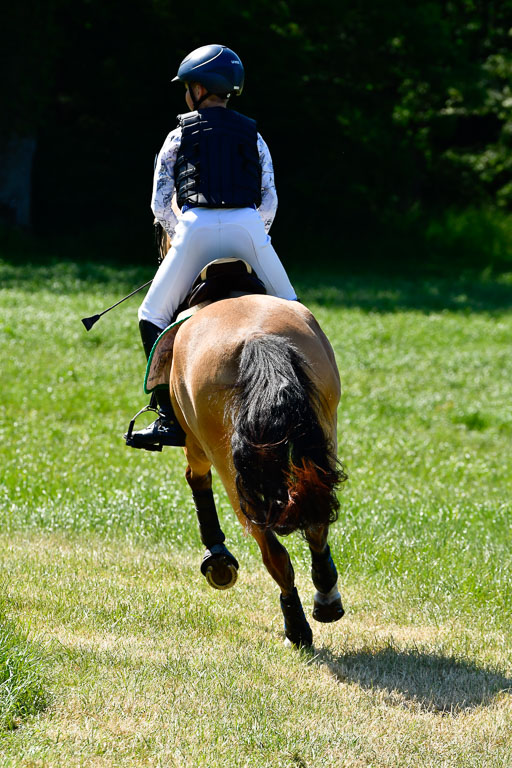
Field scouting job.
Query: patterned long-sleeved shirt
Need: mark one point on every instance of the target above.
(163, 184)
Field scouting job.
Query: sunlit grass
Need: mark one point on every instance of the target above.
(22, 673)
(102, 551)
(424, 429)
(152, 667)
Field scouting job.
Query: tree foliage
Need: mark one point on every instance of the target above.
(374, 111)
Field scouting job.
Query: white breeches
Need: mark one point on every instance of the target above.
(205, 234)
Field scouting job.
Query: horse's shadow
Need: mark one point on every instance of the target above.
(429, 681)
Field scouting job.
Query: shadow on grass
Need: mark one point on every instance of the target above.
(433, 682)
(378, 293)
(32, 266)
(74, 265)
(72, 278)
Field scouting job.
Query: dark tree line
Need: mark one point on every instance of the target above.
(377, 113)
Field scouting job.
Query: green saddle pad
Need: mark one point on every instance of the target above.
(158, 369)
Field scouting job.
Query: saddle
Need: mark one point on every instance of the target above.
(220, 279)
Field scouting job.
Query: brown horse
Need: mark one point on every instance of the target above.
(255, 386)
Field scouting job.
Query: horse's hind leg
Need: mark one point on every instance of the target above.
(327, 604)
(218, 566)
(277, 562)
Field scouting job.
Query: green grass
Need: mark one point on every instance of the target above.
(101, 548)
(21, 675)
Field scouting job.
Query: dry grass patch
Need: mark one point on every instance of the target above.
(153, 668)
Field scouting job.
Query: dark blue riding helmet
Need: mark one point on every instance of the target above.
(216, 68)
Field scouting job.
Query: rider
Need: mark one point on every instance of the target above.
(220, 169)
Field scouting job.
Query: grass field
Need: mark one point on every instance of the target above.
(143, 664)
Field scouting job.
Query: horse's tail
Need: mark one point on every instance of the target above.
(162, 241)
(286, 468)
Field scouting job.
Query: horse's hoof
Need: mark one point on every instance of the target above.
(296, 628)
(298, 646)
(307, 648)
(302, 640)
(328, 608)
(219, 567)
(221, 575)
(328, 613)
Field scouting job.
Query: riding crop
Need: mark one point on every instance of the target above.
(89, 321)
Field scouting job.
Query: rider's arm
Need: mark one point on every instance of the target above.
(268, 207)
(163, 183)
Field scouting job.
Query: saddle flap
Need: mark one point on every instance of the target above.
(158, 369)
(217, 280)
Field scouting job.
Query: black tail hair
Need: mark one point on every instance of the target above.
(161, 240)
(286, 469)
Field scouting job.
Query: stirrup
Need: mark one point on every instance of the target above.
(130, 441)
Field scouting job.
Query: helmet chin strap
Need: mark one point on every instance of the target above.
(197, 102)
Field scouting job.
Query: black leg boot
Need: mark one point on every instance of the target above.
(165, 430)
(219, 566)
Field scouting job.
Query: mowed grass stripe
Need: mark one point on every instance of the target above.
(153, 667)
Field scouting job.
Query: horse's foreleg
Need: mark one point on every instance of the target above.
(218, 566)
(277, 562)
(209, 526)
(327, 605)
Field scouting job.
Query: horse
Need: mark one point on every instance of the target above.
(255, 386)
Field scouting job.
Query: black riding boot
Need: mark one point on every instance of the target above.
(165, 430)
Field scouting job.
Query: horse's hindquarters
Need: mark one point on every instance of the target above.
(244, 376)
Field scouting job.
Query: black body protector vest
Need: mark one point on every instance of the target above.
(217, 165)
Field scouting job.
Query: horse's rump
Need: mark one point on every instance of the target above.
(258, 387)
